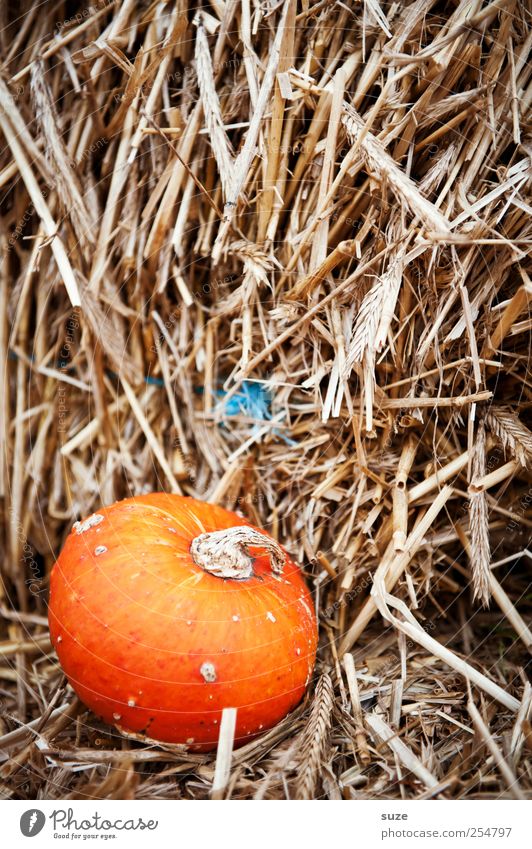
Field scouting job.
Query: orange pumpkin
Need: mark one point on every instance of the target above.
(161, 618)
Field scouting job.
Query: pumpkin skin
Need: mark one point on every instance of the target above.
(157, 646)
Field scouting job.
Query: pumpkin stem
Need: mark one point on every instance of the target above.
(226, 553)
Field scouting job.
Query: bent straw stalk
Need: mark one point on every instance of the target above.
(367, 278)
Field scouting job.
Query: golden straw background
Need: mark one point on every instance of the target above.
(325, 207)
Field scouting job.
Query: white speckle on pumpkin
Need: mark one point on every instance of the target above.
(131, 702)
(100, 549)
(270, 616)
(117, 716)
(173, 531)
(208, 672)
(215, 721)
(261, 726)
(298, 651)
(305, 605)
(81, 527)
(60, 639)
(189, 621)
(135, 575)
(190, 740)
(236, 618)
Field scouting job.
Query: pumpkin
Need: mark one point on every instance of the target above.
(165, 610)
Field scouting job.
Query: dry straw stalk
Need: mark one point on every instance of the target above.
(275, 256)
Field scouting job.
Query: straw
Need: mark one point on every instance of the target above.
(275, 256)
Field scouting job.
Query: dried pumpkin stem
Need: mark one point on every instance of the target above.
(226, 553)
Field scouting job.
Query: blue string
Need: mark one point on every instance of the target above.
(253, 400)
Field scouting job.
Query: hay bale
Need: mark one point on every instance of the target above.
(275, 256)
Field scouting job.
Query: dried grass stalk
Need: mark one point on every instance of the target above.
(379, 162)
(314, 333)
(383, 731)
(66, 179)
(493, 748)
(480, 555)
(513, 434)
(312, 744)
(219, 141)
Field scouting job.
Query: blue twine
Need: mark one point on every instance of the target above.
(253, 400)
